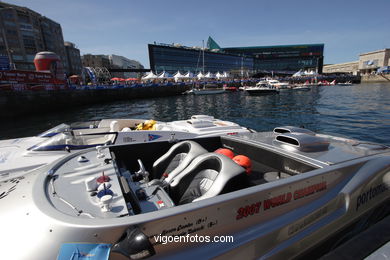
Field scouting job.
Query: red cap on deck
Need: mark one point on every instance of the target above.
(245, 162)
(227, 152)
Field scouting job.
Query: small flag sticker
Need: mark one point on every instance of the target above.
(153, 137)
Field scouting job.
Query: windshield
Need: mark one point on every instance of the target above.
(66, 128)
(55, 130)
(66, 140)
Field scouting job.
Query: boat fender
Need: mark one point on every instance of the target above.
(134, 244)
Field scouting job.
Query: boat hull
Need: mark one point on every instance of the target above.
(259, 92)
(279, 219)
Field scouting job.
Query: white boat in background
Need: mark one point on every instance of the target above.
(277, 84)
(261, 88)
(301, 87)
(21, 155)
(206, 89)
(348, 83)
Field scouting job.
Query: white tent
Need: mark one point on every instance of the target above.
(219, 75)
(149, 75)
(164, 75)
(225, 74)
(302, 73)
(178, 76)
(189, 75)
(200, 75)
(209, 75)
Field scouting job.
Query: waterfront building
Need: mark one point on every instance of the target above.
(73, 59)
(283, 59)
(23, 33)
(121, 62)
(346, 67)
(91, 60)
(371, 61)
(368, 63)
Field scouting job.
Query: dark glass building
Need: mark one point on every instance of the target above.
(285, 59)
(173, 58)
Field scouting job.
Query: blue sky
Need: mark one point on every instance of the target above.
(125, 27)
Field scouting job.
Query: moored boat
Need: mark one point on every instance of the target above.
(261, 88)
(206, 89)
(301, 87)
(347, 83)
(300, 191)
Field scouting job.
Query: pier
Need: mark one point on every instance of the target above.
(21, 103)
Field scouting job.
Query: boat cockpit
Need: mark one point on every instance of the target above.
(127, 180)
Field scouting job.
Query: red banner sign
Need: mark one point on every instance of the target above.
(28, 77)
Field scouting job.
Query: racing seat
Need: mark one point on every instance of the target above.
(178, 157)
(207, 176)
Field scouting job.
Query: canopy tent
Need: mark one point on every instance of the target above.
(189, 75)
(225, 74)
(200, 75)
(149, 75)
(219, 75)
(178, 76)
(115, 79)
(164, 75)
(209, 75)
(302, 73)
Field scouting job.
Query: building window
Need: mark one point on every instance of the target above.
(17, 57)
(10, 24)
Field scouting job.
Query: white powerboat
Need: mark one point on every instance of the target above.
(300, 193)
(21, 155)
(347, 83)
(277, 84)
(207, 89)
(301, 87)
(261, 88)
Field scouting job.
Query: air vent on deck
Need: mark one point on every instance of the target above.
(288, 140)
(303, 142)
(197, 123)
(202, 117)
(292, 129)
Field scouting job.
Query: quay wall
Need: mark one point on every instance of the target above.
(385, 78)
(23, 103)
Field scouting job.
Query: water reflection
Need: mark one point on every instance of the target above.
(359, 111)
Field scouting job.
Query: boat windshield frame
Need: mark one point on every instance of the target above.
(67, 140)
(55, 130)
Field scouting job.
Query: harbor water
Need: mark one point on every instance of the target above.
(361, 111)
